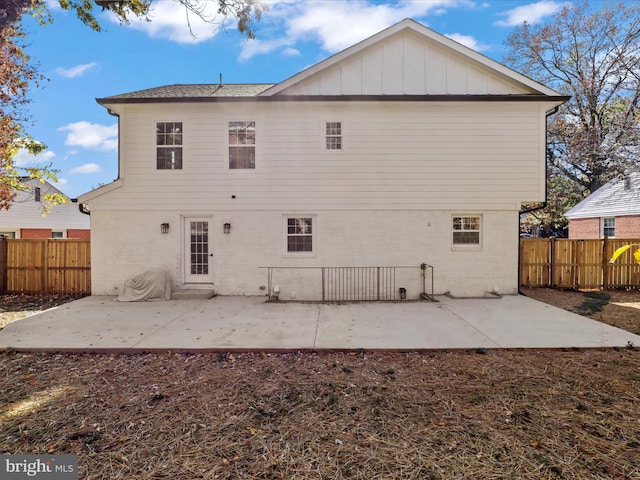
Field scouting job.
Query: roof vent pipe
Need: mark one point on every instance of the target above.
(220, 80)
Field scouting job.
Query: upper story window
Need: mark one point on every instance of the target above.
(333, 136)
(609, 227)
(466, 230)
(169, 145)
(36, 194)
(242, 145)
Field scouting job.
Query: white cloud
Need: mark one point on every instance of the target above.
(532, 13)
(291, 52)
(468, 41)
(23, 158)
(61, 183)
(338, 25)
(86, 168)
(92, 135)
(172, 21)
(76, 71)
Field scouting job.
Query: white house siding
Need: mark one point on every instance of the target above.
(396, 156)
(341, 238)
(26, 213)
(386, 199)
(406, 64)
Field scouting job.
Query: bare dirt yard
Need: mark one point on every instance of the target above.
(526, 414)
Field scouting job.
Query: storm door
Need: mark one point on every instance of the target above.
(198, 251)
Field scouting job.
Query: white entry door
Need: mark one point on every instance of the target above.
(198, 251)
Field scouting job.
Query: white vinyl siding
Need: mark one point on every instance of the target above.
(402, 156)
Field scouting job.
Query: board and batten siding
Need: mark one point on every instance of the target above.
(406, 64)
(396, 156)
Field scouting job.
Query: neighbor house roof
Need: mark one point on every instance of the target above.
(619, 197)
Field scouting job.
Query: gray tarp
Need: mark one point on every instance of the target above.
(147, 286)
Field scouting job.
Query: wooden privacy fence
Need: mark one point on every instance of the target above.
(577, 264)
(45, 265)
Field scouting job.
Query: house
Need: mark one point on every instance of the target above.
(611, 211)
(406, 148)
(26, 218)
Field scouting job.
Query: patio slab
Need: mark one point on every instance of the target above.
(248, 323)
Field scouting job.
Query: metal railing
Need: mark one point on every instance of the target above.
(351, 284)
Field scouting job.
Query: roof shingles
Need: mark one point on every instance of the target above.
(194, 91)
(616, 198)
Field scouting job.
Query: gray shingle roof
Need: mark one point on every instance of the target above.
(611, 200)
(193, 91)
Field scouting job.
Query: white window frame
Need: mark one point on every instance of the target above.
(229, 145)
(604, 227)
(313, 234)
(326, 136)
(61, 232)
(466, 246)
(157, 145)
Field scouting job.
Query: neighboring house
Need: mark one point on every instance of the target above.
(611, 211)
(25, 218)
(402, 149)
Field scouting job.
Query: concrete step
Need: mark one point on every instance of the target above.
(193, 294)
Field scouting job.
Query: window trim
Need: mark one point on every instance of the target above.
(603, 227)
(467, 246)
(325, 136)
(314, 235)
(228, 146)
(155, 143)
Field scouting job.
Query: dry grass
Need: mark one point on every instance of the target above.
(443, 415)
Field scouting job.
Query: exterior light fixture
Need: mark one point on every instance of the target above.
(164, 228)
(227, 228)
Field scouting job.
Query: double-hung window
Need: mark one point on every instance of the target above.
(609, 227)
(299, 234)
(333, 136)
(242, 145)
(466, 230)
(169, 145)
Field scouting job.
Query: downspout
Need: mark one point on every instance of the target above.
(544, 203)
(81, 206)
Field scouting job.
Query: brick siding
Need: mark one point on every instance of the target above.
(627, 226)
(35, 233)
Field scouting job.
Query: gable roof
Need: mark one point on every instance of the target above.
(619, 197)
(409, 58)
(406, 61)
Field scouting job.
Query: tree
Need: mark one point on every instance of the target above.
(18, 72)
(594, 56)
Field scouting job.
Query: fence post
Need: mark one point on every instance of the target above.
(605, 269)
(552, 262)
(3, 264)
(45, 266)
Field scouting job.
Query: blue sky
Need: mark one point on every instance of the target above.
(82, 65)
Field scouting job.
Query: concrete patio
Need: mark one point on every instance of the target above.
(248, 323)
